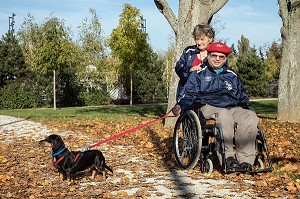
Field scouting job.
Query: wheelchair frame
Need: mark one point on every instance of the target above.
(195, 140)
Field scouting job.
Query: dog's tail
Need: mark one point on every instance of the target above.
(108, 168)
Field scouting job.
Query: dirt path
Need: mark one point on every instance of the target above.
(26, 171)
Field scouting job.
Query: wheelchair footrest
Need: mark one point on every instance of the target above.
(262, 170)
(233, 170)
(244, 171)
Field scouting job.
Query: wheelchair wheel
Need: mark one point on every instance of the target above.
(187, 140)
(207, 166)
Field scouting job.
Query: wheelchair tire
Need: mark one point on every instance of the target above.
(207, 166)
(187, 140)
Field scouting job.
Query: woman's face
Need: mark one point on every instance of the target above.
(202, 42)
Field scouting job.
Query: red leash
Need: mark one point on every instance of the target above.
(129, 131)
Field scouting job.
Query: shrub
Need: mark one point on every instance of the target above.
(95, 98)
(17, 96)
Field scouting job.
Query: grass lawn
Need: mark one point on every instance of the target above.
(266, 108)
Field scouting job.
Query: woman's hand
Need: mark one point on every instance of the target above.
(195, 68)
(176, 110)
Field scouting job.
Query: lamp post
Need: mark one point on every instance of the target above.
(143, 23)
(11, 22)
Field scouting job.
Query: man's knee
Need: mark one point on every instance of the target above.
(224, 115)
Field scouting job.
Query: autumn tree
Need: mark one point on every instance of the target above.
(92, 71)
(190, 14)
(273, 60)
(289, 80)
(129, 43)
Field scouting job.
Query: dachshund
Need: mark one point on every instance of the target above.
(71, 163)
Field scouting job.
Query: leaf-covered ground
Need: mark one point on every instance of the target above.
(143, 163)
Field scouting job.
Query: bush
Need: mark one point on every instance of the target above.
(17, 96)
(95, 98)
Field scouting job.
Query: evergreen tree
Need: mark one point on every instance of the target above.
(12, 64)
(148, 80)
(251, 71)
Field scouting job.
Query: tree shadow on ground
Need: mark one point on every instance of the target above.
(164, 148)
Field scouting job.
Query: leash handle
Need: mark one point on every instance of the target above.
(129, 131)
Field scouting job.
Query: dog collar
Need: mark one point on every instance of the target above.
(55, 154)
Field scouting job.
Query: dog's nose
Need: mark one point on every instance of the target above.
(40, 142)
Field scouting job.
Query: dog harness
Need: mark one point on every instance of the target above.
(55, 163)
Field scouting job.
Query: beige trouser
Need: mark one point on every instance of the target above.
(245, 134)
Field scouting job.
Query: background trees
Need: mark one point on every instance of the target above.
(88, 73)
(48, 49)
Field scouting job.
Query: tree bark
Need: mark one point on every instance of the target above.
(289, 80)
(190, 13)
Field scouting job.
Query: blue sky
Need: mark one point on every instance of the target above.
(257, 20)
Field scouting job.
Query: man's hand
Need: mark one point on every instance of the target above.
(176, 110)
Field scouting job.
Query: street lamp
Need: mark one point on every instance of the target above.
(11, 22)
(143, 23)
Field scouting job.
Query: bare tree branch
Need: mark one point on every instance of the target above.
(216, 5)
(165, 9)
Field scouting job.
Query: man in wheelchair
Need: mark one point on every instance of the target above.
(225, 100)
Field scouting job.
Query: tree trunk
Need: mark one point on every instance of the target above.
(131, 86)
(289, 80)
(190, 14)
(54, 90)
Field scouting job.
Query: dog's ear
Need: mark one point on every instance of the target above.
(57, 142)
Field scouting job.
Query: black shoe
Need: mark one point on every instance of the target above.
(246, 166)
(232, 163)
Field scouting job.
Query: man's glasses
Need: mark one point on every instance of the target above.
(221, 57)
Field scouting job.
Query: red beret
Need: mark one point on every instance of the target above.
(218, 47)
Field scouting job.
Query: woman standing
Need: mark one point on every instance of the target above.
(193, 56)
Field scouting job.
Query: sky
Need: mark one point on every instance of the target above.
(257, 20)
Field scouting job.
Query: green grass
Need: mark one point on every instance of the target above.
(266, 108)
(86, 113)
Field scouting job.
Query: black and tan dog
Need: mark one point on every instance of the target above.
(70, 163)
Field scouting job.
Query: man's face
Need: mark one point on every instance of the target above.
(216, 60)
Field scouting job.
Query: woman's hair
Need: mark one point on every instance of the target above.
(203, 29)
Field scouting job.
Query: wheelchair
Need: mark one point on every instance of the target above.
(196, 140)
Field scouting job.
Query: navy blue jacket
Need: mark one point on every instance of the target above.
(223, 90)
(183, 66)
